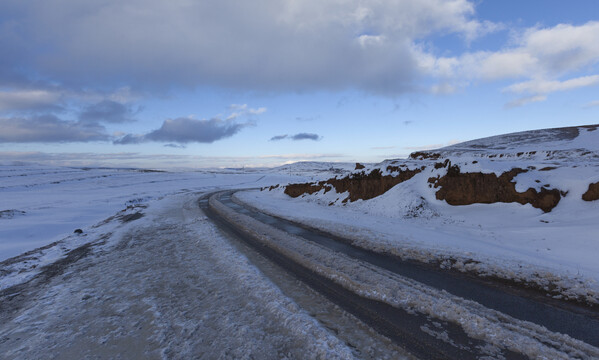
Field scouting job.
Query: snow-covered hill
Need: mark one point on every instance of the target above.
(522, 206)
(311, 168)
(568, 143)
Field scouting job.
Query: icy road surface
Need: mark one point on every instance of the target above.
(480, 331)
(167, 285)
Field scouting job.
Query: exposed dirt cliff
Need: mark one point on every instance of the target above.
(592, 193)
(359, 185)
(459, 188)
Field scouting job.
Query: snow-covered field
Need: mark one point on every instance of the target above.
(41, 204)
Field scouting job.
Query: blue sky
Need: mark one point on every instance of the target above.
(234, 83)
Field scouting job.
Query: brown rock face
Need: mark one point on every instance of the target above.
(592, 193)
(360, 186)
(423, 155)
(359, 166)
(295, 190)
(469, 188)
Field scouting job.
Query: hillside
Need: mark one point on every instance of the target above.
(520, 206)
(539, 168)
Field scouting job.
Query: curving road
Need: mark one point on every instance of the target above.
(521, 323)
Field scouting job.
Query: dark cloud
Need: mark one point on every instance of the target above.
(130, 139)
(305, 136)
(48, 129)
(107, 111)
(300, 136)
(278, 137)
(30, 100)
(311, 44)
(185, 130)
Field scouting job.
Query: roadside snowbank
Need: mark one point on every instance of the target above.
(560, 258)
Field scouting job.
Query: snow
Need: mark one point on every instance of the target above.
(42, 204)
(496, 329)
(199, 298)
(507, 240)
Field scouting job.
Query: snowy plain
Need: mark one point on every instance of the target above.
(41, 206)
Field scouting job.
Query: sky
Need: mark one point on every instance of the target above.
(197, 84)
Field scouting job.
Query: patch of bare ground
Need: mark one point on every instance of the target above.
(360, 185)
(592, 193)
(459, 188)
(423, 155)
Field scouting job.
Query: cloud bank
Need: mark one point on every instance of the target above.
(270, 45)
(273, 45)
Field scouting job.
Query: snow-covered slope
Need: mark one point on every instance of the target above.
(314, 167)
(516, 206)
(568, 143)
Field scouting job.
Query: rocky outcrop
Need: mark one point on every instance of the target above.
(423, 155)
(361, 185)
(359, 166)
(295, 190)
(592, 193)
(459, 188)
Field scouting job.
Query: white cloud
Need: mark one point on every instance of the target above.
(442, 89)
(244, 110)
(536, 53)
(540, 56)
(545, 86)
(592, 104)
(541, 53)
(525, 100)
